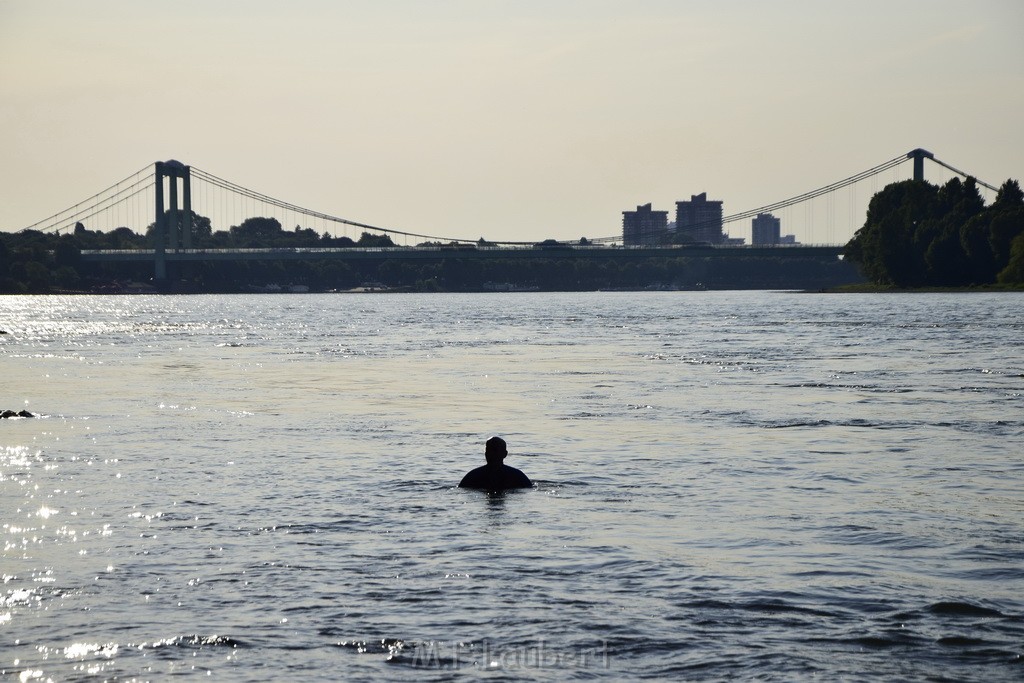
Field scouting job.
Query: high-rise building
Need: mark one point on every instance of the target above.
(766, 229)
(644, 226)
(700, 220)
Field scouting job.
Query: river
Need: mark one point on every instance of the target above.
(754, 485)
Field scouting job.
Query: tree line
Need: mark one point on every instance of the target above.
(917, 234)
(35, 262)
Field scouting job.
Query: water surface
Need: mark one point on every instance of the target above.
(759, 485)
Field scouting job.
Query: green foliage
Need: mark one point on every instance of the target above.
(67, 277)
(1014, 271)
(201, 229)
(257, 232)
(67, 252)
(918, 234)
(59, 267)
(37, 277)
(370, 241)
(1010, 196)
(36, 262)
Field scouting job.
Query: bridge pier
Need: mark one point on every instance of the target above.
(160, 241)
(173, 226)
(919, 155)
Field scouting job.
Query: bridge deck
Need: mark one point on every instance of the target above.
(437, 253)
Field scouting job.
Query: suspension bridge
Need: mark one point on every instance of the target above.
(169, 198)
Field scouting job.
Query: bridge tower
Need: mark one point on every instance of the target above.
(919, 155)
(173, 228)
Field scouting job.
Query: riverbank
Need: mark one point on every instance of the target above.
(868, 288)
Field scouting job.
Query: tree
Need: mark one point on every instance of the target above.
(5, 256)
(918, 234)
(1009, 196)
(257, 232)
(1013, 273)
(369, 240)
(977, 249)
(945, 262)
(890, 247)
(1007, 222)
(37, 277)
(67, 277)
(201, 227)
(125, 238)
(68, 252)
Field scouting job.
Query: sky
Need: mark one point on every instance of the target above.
(512, 120)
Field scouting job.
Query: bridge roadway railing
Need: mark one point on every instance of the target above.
(468, 251)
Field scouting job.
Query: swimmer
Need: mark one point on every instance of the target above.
(495, 475)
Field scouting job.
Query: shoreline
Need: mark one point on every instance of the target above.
(867, 288)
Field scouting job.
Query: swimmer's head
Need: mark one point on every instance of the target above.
(495, 450)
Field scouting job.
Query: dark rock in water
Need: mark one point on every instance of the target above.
(11, 413)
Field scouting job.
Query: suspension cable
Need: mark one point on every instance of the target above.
(965, 175)
(75, 209)
(288, 206)
(79, 217)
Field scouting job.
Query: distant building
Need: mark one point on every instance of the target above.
(766, 229)
(700, 220)
(644, 226)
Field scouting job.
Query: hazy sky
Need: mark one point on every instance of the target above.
(509, 119)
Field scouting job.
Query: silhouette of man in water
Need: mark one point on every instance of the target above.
(495, 475)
